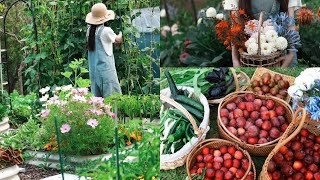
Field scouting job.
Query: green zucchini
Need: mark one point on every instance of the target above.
(172, 85)
(194, 112)
(179, 133)
(177, 146)
(189, 101)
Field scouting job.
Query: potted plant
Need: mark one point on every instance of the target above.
(9, 160)
(4, 119)
(306, 93)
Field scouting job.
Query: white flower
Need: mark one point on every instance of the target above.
(199, 21)
(44, 90)
(220, 16)
(44, 98)
(281, 43)
(255, 35)
(211, 12)
(273, 45)
(79, 98)
(58, 88)
(5, 119)
(163, 13)
(165, 30)
(266, 49)
(312, 72)
(263, 39)
(295, 92)
(267, 22)
(271, 35)
(267, 28)
(174, 29)
(249, 41)
(252, 49)
(304, 82)
(66, 88)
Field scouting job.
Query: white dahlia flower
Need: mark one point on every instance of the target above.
(281, 43)
(252, 49)
(271, 35)
(211, 12)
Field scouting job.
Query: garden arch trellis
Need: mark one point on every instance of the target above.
(4, 50)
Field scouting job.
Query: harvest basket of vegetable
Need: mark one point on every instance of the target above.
(220, 159)
(184, 119)
(297, 154)
(221, 89)
(265, 81)
(255, 122)
(260, 52)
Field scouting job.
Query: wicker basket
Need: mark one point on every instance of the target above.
(260, 71)
(172, 161)
(299, 122)
(217, 143)
(257, 149)
(259, 60)
(237, 78)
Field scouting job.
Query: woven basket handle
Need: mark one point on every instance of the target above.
(236, 81)
(184, 111)
(259, 32)
(286, 137)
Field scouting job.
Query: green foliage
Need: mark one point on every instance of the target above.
(147, 106)
(146, 167)
(27, 136)
(23, 107)
(62, 24)
(78, 70)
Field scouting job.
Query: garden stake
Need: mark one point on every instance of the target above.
(117, 140)
(59, 148)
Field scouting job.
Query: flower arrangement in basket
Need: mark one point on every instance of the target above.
(306, 92)
(269, 40)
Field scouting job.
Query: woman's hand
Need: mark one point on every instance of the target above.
(287, 59)
(235, 57)
(119, 38)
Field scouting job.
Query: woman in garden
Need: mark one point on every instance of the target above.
(269, 7)
(103, 74)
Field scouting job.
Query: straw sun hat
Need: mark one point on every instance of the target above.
(99, 14)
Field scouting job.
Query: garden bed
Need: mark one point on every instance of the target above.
(40, 158)
(10, 173)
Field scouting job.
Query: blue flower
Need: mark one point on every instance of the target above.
(316, 116)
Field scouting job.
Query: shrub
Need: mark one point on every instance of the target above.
(85, 123)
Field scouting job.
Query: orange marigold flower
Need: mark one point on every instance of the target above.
(48, 146)
(242, 11)
(128, 143)
(55, 149)
(236, 28)
(304, 16)
(226, 43)
(139, 138)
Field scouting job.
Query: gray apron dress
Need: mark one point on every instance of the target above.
(102, 70)
(269, 7)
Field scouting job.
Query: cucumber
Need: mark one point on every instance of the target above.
(172, 85)
(189, 101)
(176, 112)
(194, 112)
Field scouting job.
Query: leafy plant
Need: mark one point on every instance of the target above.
(23, 107)
(143, 106)
(27, 136)
(145, 167)
(78, 70)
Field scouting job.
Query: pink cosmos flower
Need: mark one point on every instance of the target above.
(65, 128)
(45, 113)
(108, 107)
(83, 91)
(79, 98)
(74, 91)
(111, 114)
(97, 112)
(93, 123)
